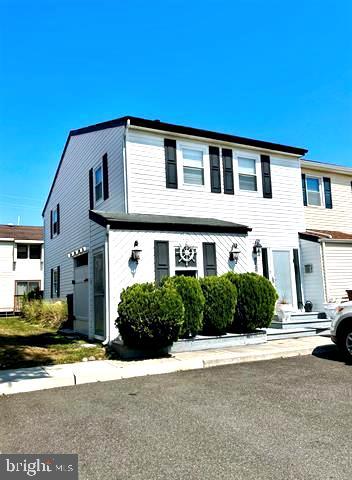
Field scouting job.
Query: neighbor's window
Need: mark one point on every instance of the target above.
(313, 191)
(35, 251)
(22, 251)
(55, 222)
(193, 167)
(24, 287)
(55, 281)
(247, 174)
(98, 179)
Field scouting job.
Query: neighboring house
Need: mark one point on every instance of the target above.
(21, 264)
(179, 199)
(326, 245)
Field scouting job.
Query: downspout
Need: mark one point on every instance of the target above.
(325, 279)
(107, 288)
(124, 156)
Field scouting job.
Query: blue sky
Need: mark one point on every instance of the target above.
(274, 70)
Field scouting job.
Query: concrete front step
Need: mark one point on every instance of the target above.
(281, 333)
(317, 324)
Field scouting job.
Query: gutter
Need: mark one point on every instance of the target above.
(124, 159)
(107, 288)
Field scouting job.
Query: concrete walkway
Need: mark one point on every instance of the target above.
(41, 378)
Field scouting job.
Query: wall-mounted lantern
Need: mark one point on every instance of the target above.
(136, 252)
(257, 248)
(234, 253)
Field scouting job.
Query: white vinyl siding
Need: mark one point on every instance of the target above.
(276, 221)
(313, 282)
(338, 269)
(338, 217)
(71, 190)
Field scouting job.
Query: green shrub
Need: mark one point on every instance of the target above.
(193, 302)
(150, 317)
(45, 314)
(255, 303)
(220, 303)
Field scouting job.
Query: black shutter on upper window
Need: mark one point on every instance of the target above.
(304, 189)
(91, 190)
(51, 224)
(105, 176)
(209, 259)
(170, 163)
(266, 176)
(214, 159)
(58, 282)
(58, 218)
(327, 192)
(161, 260)
(265, 263)
(227, 165)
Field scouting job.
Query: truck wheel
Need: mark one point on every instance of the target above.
(344, 342)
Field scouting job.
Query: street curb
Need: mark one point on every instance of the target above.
(108, 370)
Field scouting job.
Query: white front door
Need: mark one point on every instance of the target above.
(80, 296)
(282, 278)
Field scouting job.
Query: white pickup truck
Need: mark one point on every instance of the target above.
(341, 329)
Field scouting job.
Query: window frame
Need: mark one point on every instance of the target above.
(27, 282)
(321, 190)
(55, 282)
(237, 154)
(95, 169)
(55, 222)
(27, 251)
(180, 146)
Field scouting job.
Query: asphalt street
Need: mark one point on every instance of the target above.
(278, 419)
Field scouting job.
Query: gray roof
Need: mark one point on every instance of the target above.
(143, 221)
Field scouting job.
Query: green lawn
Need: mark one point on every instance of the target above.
(25, 345)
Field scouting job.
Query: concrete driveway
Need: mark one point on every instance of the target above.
(281, 419)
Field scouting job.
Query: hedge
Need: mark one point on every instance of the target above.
(150, 317)
(220, 303)
(255, 302)
(193, 302)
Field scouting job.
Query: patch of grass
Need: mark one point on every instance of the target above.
(23, 344)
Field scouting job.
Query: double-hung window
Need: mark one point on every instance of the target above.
(193, 166)
(98, 184)
(55, 222)
(314, 197)
(247, 174)
(32, 251)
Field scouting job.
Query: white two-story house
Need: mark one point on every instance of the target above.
(21, 264)
(326, 245)
(134, 200)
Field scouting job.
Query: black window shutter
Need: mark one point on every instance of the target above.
(170, 163)
(327, 192)
(304, 189)
(209, 259)
(266, 176)
(51, 224)
(161, 259)
(227, 164)
(58, 218)
(91, 190)
(51, 283)
(105, 176)
(214, 158)
(58, 282)
(298, 278)
(265, 263)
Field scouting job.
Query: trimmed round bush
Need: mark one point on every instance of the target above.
(220, 303)
(150, 317)
(193, 301)
(255, 302)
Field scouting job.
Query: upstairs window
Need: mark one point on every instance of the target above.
(314, 191)
(98, 184)
(193, 167)
(55, 221)
(32, 251)
(247, 174)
